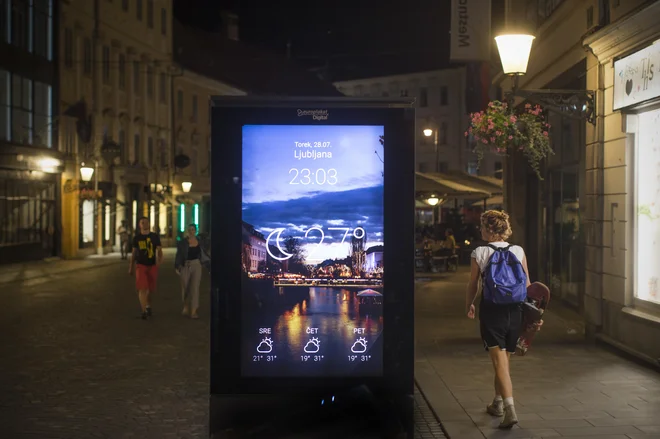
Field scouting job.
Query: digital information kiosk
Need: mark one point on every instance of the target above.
(313, 276)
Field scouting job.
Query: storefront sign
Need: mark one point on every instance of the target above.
(470, 30)
(637, 77)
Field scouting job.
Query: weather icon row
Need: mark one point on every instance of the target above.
(313, 346)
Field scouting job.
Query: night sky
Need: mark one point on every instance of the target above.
(351, 39)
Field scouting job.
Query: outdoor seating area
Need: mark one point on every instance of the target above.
(448, 209)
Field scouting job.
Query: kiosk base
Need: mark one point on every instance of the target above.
(358, 413)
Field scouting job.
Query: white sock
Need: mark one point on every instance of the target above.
(498, 399)
(508, 402)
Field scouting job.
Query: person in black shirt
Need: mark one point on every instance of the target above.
(147, 256)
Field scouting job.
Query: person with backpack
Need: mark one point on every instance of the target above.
(499, 271)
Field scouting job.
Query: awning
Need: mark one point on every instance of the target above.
(497, 200)
(446, 186)
(489, 184)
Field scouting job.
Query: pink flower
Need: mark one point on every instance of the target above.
(506, 124)
(528, 105)
(466, 134)
(545, 133)
(498, 133)
(484, 141)
(492, 139)
(510, 137)
(513, 119)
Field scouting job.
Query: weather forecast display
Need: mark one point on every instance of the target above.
(312, 251)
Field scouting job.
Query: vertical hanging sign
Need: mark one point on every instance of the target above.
(470, 30)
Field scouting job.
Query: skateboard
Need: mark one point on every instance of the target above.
(538, 297)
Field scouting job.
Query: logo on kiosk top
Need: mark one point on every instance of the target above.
(315, 114)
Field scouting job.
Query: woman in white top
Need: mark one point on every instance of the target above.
(499, 323)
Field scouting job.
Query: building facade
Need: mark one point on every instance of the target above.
(440, 107)
(192, 127)
(30, 163)
(588, 227)
(115, 64)
(622, 300)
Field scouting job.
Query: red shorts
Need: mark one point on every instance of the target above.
(145, 277)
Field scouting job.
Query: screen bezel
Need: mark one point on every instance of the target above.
(229, 115)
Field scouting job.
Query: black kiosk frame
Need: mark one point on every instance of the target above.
(250, 406)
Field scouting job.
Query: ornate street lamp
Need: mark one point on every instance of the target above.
(428, 132)
(433, 200)
(86, 173)
(186, 186)
(514, 50)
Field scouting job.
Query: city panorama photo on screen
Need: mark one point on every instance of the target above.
(312, 250)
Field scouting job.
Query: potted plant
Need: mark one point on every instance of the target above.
(501, 131)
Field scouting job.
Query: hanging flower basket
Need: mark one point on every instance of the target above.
(499, 130)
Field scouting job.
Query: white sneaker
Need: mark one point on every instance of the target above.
(495, 408)
(510, 417)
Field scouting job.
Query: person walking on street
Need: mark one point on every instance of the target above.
(499, 271)
(190, 257)
(147, 257)
(122, 231)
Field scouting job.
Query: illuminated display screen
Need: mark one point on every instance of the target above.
(312, 251)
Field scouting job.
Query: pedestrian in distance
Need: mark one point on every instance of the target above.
(123, 233)
(147, 257)
(191, 256)
(499, 271)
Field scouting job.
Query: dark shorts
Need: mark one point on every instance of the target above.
(145, 277)
(500, 326)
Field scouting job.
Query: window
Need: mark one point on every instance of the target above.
(136, 149)
(21, 25)
(150, 82)
(179, 104)
(443, 134)
(423, 167)
(136, 77)
(150, 151)
(498, 170)
(124, 5)
(162, 87)
(473, 168)
(106, 65)
(43, 104)
(194, 162)
(68, 48)
(5, 132)
(443, 167)
(121, 71)
(163, 154)
(590, 16)
(87, 220)
(444, 95)
(423, 97)
(150, 14)
(69, 136)
(647, 210)
(121, 140)
(138, 9)
(87, 56)
(43, 28)
(21, 110)
(403, 93)
(194, 108)
(163, 21)
(4, 21)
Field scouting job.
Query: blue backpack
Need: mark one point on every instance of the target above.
(504, 279)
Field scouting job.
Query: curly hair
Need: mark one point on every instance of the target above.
(496, 225)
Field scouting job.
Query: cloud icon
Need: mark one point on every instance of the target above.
(360, 346)
(313, 346)
(266, 346)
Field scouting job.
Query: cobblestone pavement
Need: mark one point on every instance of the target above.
(562, 387)
(77, 363)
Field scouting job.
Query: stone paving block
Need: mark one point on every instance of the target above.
(462, 430)
(519, 433)
(597, 431)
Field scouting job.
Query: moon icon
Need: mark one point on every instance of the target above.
(277, 244)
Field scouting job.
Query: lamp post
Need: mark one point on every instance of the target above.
(428, 132)
(86, 173)
(514, 50)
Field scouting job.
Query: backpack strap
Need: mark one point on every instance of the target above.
(499, 249)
